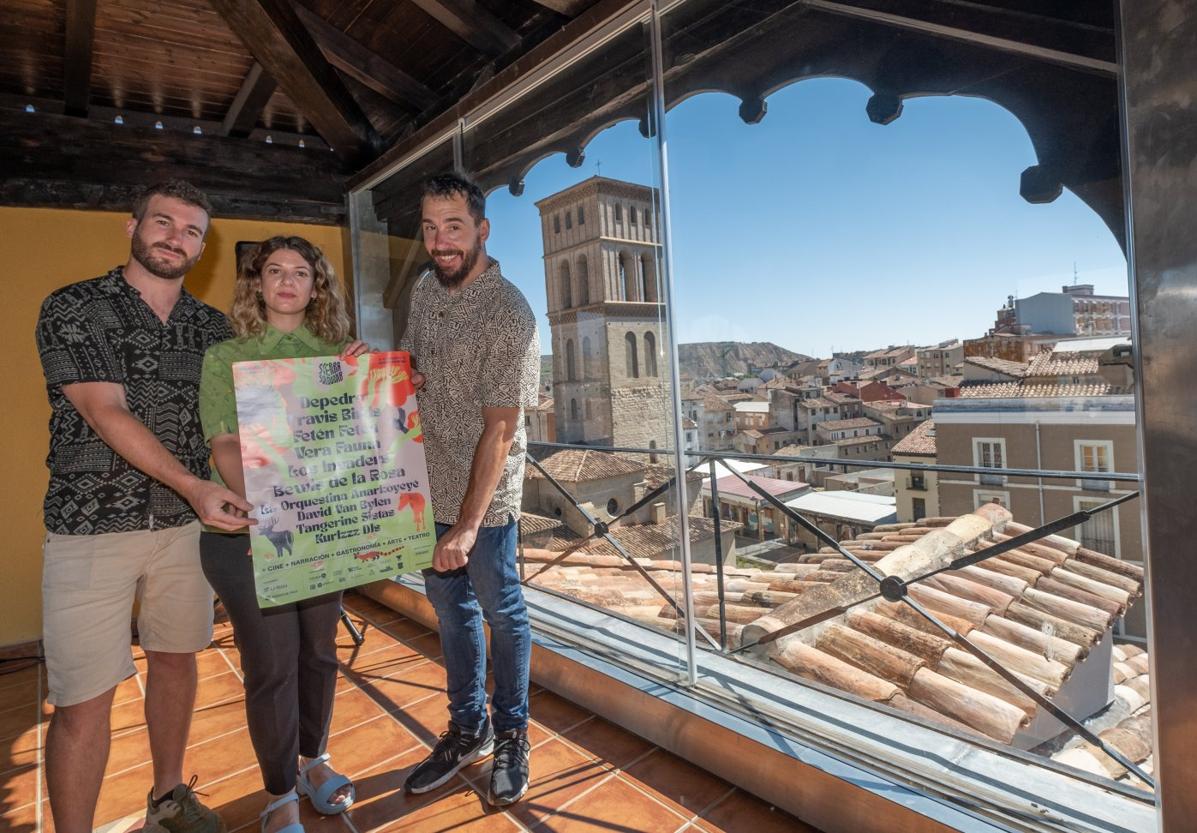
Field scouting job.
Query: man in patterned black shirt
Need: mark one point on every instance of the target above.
(128, 477)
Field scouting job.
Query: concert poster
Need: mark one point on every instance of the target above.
(334, 466)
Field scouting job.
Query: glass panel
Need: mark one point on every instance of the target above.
(389, 252)
(861, 284)
(573, 197)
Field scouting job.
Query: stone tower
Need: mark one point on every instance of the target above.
(610, 370)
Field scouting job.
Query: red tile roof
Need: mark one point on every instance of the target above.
(575, 465)
(920, 441)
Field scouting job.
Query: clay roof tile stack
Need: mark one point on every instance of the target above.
(1038, 609)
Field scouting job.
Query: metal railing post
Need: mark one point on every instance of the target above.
(656, 46)
(718, 556)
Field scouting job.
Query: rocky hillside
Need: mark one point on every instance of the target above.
(715, 359)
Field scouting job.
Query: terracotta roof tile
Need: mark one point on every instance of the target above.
(1022, 390)
(533, 524)
(920, 441)
(575, 465)
(652, 541)
(1014, 369)
(1063, 364)
(999, 604)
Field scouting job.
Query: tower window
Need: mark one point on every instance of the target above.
(569, 220)
(618, 213)
(581, 216)
(632, 362)
(556, 223)
(632, 215)
(650, 354)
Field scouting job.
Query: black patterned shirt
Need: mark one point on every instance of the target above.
(101, 330)
(478, 349)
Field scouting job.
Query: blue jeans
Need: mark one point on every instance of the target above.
(488, 586)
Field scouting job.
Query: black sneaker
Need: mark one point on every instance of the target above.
(452, 752)
(509, 772)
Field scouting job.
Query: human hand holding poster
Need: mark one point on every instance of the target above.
(333, 458)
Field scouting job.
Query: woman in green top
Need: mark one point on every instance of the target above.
(287, 303)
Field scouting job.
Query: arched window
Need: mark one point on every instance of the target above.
(569, 220)
(650, 354)
(633, 364)
(583, 280)
(571, 372)
(648, 278)
(632, 215)
(646, 220)
(652, 458)
(581, 216)
(627, 277)
(567, 299)
(587, 369)
(618, 213)
(556, 224)
(573, 409)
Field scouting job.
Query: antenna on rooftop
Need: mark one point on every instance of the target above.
(1075, 277)
(598, 167)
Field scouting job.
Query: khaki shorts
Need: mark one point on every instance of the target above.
(89, 586)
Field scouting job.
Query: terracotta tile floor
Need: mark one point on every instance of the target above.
(587, 774)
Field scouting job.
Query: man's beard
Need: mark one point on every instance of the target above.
(144, 254)
(452, 280)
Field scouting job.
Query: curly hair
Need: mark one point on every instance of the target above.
(452, 184)
(327, 315)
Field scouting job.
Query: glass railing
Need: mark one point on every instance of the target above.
(783, 562)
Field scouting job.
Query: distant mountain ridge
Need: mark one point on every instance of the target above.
(716, 359)
(705, 360)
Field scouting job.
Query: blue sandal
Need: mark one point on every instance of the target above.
(294, 827)
(320, 796)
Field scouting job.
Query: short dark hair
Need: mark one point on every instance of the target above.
(452, 184)
(179, 189)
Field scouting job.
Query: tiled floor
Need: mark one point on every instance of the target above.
(587, 774)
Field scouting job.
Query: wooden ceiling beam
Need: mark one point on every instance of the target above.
(366, 66)
(568, 8)
(243, 178)
(279, 41)
(247, 105)
(80, 37)
(473, 24)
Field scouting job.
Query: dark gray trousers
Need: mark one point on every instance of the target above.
(288, 659)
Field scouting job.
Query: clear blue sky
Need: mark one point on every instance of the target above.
(817, 229)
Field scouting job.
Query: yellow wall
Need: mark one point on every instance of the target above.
(41, 250)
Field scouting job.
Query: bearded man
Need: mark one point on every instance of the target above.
(473, 338)
(128, 479)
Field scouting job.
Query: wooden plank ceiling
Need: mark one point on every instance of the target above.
(347, 76)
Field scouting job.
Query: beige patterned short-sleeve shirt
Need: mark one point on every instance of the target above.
(478, 349)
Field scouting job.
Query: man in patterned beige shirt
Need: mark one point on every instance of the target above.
(473, 338)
